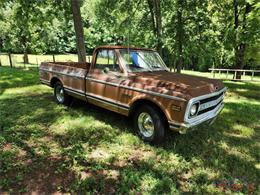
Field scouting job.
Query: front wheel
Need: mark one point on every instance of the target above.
(150, 124)
(60, 95)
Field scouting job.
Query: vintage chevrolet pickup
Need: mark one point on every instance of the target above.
(135, 82)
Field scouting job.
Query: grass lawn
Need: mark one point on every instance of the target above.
(45, 147)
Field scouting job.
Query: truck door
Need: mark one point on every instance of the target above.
(103, 80)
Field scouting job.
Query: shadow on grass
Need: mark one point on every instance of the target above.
(242, 85)
(27, 173)
(36, 157)
(223, 147)
(27, 163)
(244, 89)
(203, 145)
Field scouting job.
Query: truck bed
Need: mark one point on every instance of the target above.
(71, 74)
(69, 64)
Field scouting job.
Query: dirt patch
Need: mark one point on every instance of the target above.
(41, 176)
(7, 147)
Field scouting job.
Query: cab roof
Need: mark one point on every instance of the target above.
(121, 47)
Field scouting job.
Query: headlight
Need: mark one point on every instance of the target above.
(194, 109)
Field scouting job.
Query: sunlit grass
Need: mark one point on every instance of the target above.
(45, 147)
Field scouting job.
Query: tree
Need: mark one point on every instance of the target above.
(240, 45)
(188, 34)
(238, 24)
(75, 5)
(22, 16)
(155, 11)
(179, 34)
(6, 28)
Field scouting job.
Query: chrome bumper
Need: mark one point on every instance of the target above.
(208, 117)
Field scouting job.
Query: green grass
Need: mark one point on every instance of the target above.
(48, 148)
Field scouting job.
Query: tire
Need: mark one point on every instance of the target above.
(150, 124)
(60, 95)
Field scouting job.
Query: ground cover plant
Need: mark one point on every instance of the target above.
(48, 148)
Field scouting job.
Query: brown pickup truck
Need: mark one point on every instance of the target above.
(135, 82)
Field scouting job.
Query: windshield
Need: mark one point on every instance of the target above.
(140, 60)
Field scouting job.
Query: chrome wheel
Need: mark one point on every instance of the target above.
(59, 91)
(145, 124)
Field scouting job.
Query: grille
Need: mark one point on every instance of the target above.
(211, 103)
(211, 98)
(208, 109)
(207, 106)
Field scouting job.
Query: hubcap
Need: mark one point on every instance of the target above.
(145, 124)
(59, 93)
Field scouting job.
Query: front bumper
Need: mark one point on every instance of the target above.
(208, 117)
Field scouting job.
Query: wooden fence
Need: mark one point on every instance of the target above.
(16, 60)
(247, 75)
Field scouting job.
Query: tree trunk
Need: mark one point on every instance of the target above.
(10, 60)
(25, 57)
(236, 24)
(75, 4)
(239, 59)
(179, 64)
(155, 11)
(151, 8)
(157, 5)
(194, 61)
(53, 57)
(1, 43)
(240, 48)
(179, 36)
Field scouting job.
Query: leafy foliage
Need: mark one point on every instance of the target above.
(206, 32)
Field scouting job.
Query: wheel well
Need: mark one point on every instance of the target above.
(54, 80)
(141, 102)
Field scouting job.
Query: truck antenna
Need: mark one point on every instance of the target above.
(128, 36)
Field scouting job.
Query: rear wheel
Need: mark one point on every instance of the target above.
(150, 124)
(60, 95)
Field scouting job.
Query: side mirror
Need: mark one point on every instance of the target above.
(106, 70)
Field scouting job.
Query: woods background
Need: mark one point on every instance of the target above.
(195, 35)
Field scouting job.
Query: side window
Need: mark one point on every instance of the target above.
(107, 59)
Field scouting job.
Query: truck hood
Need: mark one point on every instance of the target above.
(175, 84)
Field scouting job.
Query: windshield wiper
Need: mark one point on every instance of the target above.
(150, 70)
(157, 68)
(151, 67)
